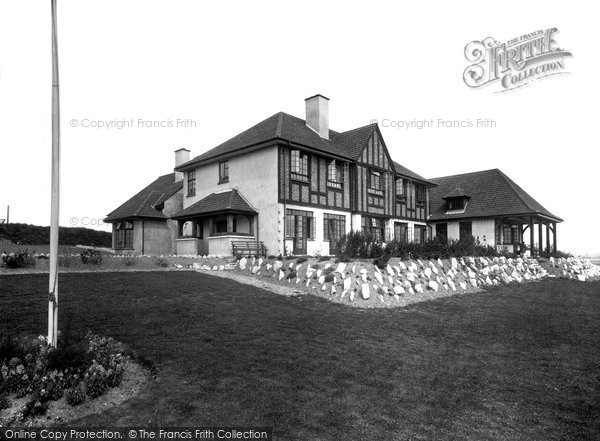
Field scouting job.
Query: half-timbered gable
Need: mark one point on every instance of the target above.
(374, 178)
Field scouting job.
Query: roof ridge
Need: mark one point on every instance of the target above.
(279, 125)
(465, 174)
(356, 128)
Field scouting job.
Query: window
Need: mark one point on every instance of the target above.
(335, 174)
(420, 193)
(420, 233)
(375, 180)
(464, 230)
(334, 227)
(441, 230)
(299, 223)
(401, 232)
(223, 172)
(299, 166)
(374, 226)
(455, 204)
(124, 235)
(191, 183)
(400, 189)
(511, 234)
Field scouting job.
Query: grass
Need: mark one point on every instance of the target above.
(513, 363)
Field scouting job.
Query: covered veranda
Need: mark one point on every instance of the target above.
(535, 233)
(210, 225)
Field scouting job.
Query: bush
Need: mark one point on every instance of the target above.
(96, 380)
(360, 245)
(76, 395)
(128, 261)
(4, 402)
(557, 255)
(91, 257)
(19, 259)
(82, 364)
(163, 262)
(34, 407)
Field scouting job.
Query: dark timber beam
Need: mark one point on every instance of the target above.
(531, 238)
(540, 236)
(547, 237)
(554, 234)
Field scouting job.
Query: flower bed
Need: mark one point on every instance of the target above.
(81, 368)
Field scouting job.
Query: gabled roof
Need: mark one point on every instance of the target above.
(284, 127)
(225, 202)
(492, 194)
(354, 141)
(280, 126)
(148, 202)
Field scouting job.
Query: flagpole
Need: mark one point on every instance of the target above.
(55, 196)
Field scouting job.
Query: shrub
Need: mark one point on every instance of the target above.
(34, 407)
(128, 261)
(19, 259)
(82, 364)
(91, 257)
(382, 260)
(76, 395)
(4, 402)
(163, 262)
(96, 380)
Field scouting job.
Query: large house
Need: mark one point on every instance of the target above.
(296, 186)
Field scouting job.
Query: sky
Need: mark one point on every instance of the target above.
(193, 74)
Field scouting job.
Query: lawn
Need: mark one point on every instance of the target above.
(512, 363)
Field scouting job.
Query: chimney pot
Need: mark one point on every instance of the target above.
(317, 114)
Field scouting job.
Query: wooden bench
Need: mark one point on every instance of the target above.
(248, 247)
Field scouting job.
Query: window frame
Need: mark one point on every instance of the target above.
(191, 183)
(299, 169)
(126, 242)
(335, 222)
(335, 174)
(223, 172)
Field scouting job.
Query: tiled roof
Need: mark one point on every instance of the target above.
(492, 194)
(143, 204)
(282, 126)
(401, 170)
(457, 192)
(226, 202)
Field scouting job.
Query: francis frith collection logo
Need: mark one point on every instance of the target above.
(514, 63)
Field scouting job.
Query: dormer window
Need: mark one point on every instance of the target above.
(456, 200)
(455, 204)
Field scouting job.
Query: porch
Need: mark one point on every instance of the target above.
(532, 233)
(209, 226)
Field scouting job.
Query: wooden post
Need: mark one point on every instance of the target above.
(55, 191)
(547, 237)
(531, 240)
(554, 234)
(540, 237)
(230, 223)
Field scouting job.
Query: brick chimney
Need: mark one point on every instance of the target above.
(317, 114)
(181, 156)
